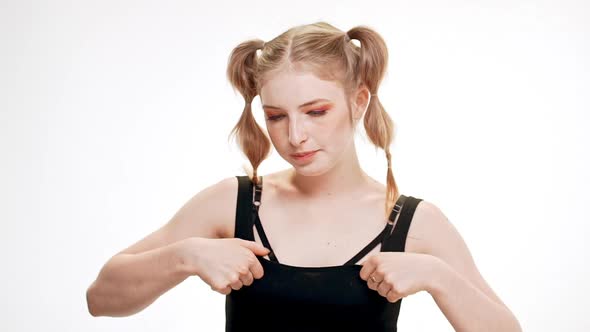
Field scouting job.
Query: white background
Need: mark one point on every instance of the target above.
(114, 113)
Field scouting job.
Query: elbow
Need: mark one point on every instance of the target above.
(91, 301)
(99, 304)
(517, 327)
(94, 304)
(514, 323)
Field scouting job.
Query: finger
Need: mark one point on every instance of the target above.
(375, 279)
(224, 291)
(247, 279)
(393, 296)
(368, 268)
(235, 282)
(373, 282)
(256, 269)
(257, 248)
(383, 288)
(236, 285)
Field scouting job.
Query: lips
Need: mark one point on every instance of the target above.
(302, 154)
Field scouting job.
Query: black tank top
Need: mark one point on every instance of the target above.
(305, 299)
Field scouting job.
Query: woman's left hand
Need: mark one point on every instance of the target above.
(398, 274)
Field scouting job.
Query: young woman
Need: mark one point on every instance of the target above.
(345, 249)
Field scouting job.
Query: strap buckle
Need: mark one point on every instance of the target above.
(257, 192)
(397, 208)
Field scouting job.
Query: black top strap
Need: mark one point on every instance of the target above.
(256, 205)
(249, 199)
(380, 238)
(396, 241)
(243, 225)
(392, 238)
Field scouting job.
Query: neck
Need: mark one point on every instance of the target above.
(345, 178)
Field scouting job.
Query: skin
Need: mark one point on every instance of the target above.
(314, 190)
(328, 201)
(337, 208)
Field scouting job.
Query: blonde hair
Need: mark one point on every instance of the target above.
(328, 53)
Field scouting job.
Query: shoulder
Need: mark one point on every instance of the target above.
(433, 234)
(223, 197)
(222, 190)
(220, 199)
(430, 229)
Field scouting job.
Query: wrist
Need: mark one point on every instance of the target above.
(184, 259)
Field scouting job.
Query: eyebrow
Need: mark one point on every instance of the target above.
(300, 106)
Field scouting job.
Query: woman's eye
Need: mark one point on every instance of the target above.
(274, 117)
(316, 113)
(312, 113)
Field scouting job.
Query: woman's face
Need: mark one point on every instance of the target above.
(304, 113)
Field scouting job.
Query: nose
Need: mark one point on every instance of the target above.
(297, 133)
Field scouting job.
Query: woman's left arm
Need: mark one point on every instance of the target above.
(458, 288)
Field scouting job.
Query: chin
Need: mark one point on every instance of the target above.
(308, 172)
(317, 167)
(313, 169)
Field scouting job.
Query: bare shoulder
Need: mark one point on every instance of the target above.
(206, 214)
(432, 233)
(221, 199)
(427, 222)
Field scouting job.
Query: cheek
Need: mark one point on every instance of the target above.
(337, 131)
(275, 132)
(278, 138)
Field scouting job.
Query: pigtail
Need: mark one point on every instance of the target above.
(371, 68)
(241, 73)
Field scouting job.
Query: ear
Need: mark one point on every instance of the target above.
(361, 101)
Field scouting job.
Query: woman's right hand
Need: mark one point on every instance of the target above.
(225, 264)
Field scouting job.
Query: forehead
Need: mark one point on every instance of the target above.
(290, 88)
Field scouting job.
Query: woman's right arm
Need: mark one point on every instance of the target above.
(134, 278)
(128, 283)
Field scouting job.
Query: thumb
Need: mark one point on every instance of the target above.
(257, 248)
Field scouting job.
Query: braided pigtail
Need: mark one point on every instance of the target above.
(241, 72)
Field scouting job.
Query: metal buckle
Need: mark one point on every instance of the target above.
(257, 190)
(396, 208)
